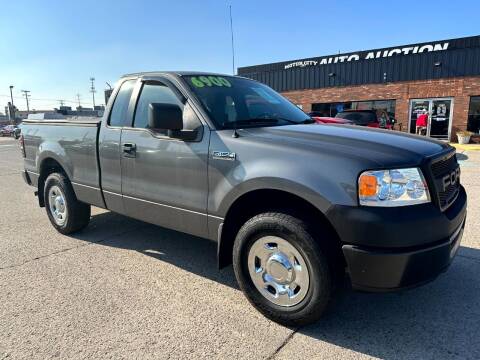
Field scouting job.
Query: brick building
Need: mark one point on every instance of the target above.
(440, 77)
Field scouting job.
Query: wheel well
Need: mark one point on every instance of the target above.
(47, 167)
(259, 201)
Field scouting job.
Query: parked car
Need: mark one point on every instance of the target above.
(17, 131)
(292, 205)
(7, 130)
(368, 118)
(331, 120)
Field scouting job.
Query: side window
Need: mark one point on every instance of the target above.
(120, 106)
(152, 93)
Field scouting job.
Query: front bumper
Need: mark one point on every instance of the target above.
(393, 248)
(377, 270)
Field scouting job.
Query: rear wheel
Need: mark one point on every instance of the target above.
(65, 212)
(282, 270)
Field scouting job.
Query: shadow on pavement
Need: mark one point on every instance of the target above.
(191, 253)
(441, 319)
(438, 320)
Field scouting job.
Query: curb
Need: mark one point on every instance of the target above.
(466, 146)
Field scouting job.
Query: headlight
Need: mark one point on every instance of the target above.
(398, 187)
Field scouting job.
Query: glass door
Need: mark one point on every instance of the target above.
(439, 125)
(431, 117)
(417, 109)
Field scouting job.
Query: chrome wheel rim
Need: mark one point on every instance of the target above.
(57, 205)
(278, 271)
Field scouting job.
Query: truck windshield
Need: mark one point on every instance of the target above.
(237, 102)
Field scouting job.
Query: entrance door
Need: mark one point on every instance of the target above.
(440, 119)
(439, 116)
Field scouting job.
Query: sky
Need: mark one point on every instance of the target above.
(53, 48)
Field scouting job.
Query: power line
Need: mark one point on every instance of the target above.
(39, 99)
(77, 101)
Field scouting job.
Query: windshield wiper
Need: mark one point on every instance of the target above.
(306, 121)
(266, 121)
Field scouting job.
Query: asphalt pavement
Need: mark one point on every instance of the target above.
(124, 289)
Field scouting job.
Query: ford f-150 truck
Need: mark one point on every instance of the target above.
(291, 204)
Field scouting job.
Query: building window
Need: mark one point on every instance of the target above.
(473, 123)
(332, 109)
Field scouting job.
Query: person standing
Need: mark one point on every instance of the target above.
(422, 123)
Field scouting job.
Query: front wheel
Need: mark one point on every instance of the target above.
(66, 213)
(282, 270)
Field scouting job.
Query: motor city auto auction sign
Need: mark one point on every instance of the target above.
(376, 54)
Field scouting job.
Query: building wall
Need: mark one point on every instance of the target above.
(436, 60)
(458, 88)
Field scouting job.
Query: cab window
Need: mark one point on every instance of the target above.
(160, 93)
(118, 115)
(153, 93)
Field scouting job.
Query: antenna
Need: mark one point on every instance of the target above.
(78, 99)
(235, 133)
(233, 47)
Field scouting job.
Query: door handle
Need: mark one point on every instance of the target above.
(129, 149)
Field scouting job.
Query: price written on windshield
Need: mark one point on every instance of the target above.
(210, 81)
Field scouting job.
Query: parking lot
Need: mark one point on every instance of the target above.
(126, 289)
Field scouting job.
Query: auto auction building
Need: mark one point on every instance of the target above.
(439, 77)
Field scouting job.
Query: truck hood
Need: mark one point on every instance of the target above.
(382, 147)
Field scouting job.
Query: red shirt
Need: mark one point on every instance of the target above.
(422, 120)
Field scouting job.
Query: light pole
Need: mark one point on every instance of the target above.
(11, 95)
(11, 111)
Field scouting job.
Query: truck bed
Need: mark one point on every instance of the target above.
(70, 142)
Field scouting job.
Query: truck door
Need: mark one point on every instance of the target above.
(164, 180)
(109, 146)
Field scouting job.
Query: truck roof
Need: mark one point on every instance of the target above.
(178, 73)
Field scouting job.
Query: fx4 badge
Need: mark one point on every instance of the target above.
(224, 155)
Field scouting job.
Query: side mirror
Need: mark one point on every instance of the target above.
(165, 116)
(169, 117)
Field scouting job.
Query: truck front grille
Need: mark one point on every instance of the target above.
(442, 170)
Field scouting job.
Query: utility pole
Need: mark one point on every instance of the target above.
(25, 92)
(93, 91)
(62, 102)
(78, 99)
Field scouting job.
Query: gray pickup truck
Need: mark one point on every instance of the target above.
(293, 205)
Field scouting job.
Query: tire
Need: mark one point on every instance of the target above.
(60, 199)
(268, 234)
